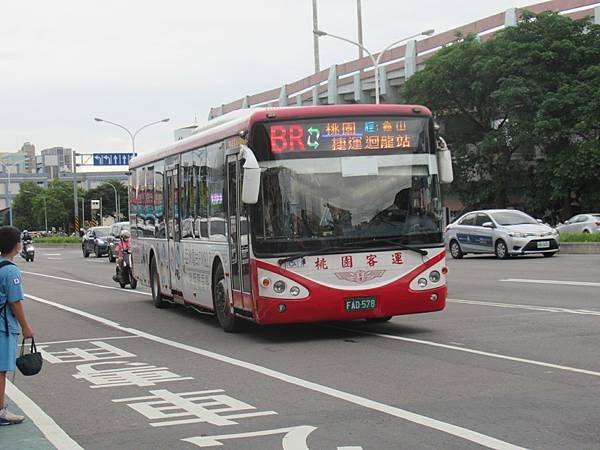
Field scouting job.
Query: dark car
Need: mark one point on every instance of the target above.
(113, 238)
(95, 241)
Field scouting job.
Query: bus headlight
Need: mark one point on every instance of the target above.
(275, 285)
(434, 276)
(279, 287)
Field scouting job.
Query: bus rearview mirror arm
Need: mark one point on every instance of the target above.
(444, 160)
(251, 181)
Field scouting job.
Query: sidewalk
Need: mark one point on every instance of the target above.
(24, 436)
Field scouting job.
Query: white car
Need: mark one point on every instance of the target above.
(503, 232)
(581, 223)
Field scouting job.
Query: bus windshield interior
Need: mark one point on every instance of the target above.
(313, 204)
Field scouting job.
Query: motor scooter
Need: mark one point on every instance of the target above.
(124, 276)
(28, 251)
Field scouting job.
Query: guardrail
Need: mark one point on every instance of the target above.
(354, 82)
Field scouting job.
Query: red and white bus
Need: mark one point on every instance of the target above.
(299, 214)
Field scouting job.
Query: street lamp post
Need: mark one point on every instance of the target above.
(131, 135)
(45, 214)
(373, 59)
(9, 196)
(116, 201)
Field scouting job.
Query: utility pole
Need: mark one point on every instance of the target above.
(75, 202)
(316, 37)
(360, 30)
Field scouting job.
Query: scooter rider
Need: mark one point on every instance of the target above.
(26, 236)
(123, 244)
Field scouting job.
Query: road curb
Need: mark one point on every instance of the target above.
(580, 248)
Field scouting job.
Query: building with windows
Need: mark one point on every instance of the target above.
(28, 149)
(56, 160)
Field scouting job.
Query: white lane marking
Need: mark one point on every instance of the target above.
(52, 254)
(55, 434)
(553, 309)
(566, 283)
(58, 259)
(444, 427)
(85, 340)
(470, 350)
(127, 291)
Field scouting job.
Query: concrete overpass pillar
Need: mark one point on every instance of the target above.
(410, 59)
(359, 94)
(386, 91)
(333, 97)
(283, 98)
(510, 17)
(315, 95)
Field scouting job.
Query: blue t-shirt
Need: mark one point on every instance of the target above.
(11, 291)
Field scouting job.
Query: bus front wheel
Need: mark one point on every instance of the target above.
(157, 297)
(221, 302)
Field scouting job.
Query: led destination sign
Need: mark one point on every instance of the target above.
(288, 139)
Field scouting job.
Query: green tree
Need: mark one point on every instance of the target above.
(23, 212)
(105, 192)
(524, 92)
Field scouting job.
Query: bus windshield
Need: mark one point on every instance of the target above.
(315, 203)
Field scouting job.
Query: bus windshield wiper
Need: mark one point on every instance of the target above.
(395, 244)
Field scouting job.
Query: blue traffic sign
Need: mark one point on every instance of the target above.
(112, 159)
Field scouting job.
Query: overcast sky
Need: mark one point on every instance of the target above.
(64, 62)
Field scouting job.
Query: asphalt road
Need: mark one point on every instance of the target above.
(511, 361)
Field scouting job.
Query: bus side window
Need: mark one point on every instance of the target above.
(159, 222)
(133, 199)
(201, 193)
(216, 189)
(149, 203)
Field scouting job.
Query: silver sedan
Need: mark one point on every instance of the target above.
(581, 223)
(503, 232)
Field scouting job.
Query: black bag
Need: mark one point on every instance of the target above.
(30, 363)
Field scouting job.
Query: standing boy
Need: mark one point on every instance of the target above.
(12, 314)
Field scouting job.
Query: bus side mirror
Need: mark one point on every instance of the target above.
(444, 160)
(251, 182)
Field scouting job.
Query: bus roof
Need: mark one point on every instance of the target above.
(233, 123)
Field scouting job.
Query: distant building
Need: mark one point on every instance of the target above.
(28, 149)
(16, 162)
(56, 160)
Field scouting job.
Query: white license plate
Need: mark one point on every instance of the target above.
(543, 244)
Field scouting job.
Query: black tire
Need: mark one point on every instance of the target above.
(379, 319)
(549, 255)
(501, 250)
(455, 250)
(86, 254)
(132, 282)
(111, 258)
(157, 297)
(31, 259)
(123, 285)
(227, 320)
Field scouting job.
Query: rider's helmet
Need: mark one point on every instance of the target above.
(125, 234)
(25, 231)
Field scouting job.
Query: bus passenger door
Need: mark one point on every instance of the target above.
(173, 225)
(238, 237)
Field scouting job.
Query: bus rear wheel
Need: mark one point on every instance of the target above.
(222, 305)
(157, 297)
